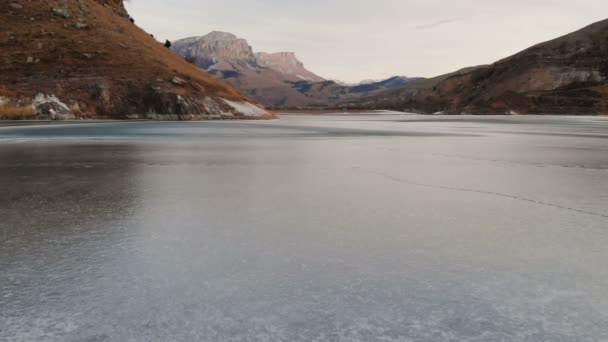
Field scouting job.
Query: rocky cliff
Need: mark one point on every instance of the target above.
(217, 50)
(269, 78)
(568, 75)
(68, 59)
(286, 63)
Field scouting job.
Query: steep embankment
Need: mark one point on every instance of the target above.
(65, 59)
(568, 75)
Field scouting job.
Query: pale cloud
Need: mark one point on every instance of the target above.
(360, 39)
(437, 23)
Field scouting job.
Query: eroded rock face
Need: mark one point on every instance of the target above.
(47, 107)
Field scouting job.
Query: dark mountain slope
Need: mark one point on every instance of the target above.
(567, 75)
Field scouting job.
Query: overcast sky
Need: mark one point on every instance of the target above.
(352, 40)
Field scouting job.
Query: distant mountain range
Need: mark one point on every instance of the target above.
(89, 60)
(277, 80)
(568, 75)
(366, 87)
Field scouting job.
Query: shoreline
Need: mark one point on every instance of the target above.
(279, 114)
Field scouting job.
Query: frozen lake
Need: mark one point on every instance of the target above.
(307, 228)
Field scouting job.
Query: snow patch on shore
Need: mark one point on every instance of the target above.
(246, 108)
(304, 78)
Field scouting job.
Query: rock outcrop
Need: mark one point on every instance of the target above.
(67, 59)
(568, 75)
(49, 107)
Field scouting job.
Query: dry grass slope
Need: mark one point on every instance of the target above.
(92, 57)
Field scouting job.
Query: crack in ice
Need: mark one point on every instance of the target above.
(484, 192)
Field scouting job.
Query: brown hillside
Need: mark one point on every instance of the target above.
(568, 75)
(85, 58)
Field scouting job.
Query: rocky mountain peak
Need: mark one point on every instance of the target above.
(288, 63)
(223, 51)
(216, 46)
(219, 35)
(274, 79)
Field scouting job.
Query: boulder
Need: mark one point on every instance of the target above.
(178, 81)
(61, 12)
